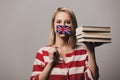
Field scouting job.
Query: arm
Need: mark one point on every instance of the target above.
(53, 59)
(46, 71)
(92, 60)
(40, 72)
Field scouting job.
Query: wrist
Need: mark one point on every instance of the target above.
(51, 61)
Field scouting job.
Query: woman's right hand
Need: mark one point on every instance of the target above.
(53, 54)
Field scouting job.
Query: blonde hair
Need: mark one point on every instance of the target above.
(72, 38)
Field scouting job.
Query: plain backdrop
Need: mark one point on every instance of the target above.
(25, 27)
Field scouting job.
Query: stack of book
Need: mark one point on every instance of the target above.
(93, 34)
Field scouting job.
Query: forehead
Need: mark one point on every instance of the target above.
(62, 15)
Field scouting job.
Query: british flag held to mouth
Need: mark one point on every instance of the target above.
(63, 29)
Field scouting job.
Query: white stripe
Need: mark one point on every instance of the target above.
(43, 48)
(76, 70)
(80, 47)
(69, 59)
(76, 58)
(35, 73)
(38, 62)
(89, 74)
(46, 58)
(58, 71)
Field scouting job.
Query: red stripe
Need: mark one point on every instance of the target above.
(76, 63)
(37, 68)
(60, 65)
(86, 75)
(45, 53)
(58, 77)
(46, 63)
(65, 77)
(82, 51)
(39, 56)
(34, 77)
(76, 52)
(70, 64)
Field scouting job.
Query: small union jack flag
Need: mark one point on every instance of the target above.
(63, 29)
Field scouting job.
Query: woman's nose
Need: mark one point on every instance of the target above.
(63, 24)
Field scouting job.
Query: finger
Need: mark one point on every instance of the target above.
(56, 54)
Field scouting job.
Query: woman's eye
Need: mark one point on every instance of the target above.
(58, 22)
(68, 22)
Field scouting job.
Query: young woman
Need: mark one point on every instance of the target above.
(63, 59)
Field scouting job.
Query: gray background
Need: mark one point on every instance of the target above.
(24, 28)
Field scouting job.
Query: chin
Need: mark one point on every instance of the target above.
(62, 35)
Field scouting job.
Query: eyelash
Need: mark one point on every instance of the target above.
(67, 22)
(57, 21)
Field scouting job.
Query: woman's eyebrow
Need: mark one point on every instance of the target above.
(68, 20)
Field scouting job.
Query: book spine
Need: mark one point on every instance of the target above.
(94, 40)
(93, 36)
(93, 29)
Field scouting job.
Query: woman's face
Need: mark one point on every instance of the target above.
(62, 19)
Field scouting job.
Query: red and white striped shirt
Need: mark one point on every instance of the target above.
(74, 68)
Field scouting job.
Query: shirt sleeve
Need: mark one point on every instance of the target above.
(38, 66)
(87, 73)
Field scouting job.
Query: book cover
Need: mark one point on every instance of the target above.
(94, 40)
(92, 29)
(93, 35)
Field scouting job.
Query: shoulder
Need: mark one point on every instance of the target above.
(81, 46)
(45, 48)
(81, 49)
